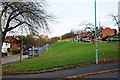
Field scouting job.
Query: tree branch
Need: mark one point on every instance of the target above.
(11, 28)
(5, 8)
(21, 22)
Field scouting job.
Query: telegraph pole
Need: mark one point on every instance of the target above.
(96, 34)
(21, 54)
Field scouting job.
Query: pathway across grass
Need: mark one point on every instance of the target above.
(63, 54)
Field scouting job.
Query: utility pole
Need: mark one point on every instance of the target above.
(21, 54)
(96, 33)
(33, 51)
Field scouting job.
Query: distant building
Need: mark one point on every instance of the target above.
(85, 36)
(67, 39)
(108, 32)
(44, 36)
(89, 36)
(5, 46)
(14, 44)
(35, 37)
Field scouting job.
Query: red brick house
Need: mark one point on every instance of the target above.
(14, 44)
(108, 32)
(102, 33)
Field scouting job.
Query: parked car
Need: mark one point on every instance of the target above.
(25, 52)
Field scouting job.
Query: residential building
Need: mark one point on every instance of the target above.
(5, 46)
(89, 36)
(108, 32)
(44, 37)
(12, 40)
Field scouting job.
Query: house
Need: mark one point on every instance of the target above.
(108, 32)
(5, 47)
(9, 44)
(12, 40)
(89, 35)
(85, 36)
(44, 37)
(67, 39)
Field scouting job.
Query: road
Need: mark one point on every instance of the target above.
(71, 72)
(16, 58)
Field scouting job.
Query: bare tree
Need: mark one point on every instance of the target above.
(115, 18)
(88, 26)
(31, 15)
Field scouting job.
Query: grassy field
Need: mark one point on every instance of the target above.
(64, 54)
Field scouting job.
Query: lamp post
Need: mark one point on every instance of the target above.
(96, 33)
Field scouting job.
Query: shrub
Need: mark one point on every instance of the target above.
(8, 49)
(15, 51)
(105, 38)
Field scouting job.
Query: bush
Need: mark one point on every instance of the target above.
(15, 51)
(8, 49)
(105, 38)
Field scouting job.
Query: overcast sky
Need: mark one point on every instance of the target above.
(71, 13)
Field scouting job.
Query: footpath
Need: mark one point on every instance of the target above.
(73, 73)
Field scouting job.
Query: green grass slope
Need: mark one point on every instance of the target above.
(64, 54)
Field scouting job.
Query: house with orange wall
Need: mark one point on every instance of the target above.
(108, 32)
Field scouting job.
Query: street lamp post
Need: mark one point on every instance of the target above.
(96, 34)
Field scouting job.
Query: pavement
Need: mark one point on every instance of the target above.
(109, 75)
(101, 74)
(72, 72)
(13, 58)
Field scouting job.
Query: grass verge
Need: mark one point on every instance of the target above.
(63, 54)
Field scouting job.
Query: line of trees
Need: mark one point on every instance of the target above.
(30, 41)
(69, 35)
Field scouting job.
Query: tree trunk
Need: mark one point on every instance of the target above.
(0, 49)
(0, 36)
(3, 37)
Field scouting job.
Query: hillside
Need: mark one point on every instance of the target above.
(64, 54)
